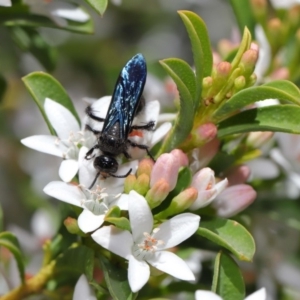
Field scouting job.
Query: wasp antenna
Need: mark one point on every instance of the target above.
(121, 176)
(97, 175)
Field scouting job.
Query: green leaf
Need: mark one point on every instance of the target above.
(185, 80)
(26, 19)
(74, 262)
(42, 86)
(279, 89)
(9, 241)
(99, 5)
(228, 280)
(245, 44)
(243, 13)
(200, 41)
(1, 219)
(230, 235)
(282, 118)
(3, 87)
(116, 280)
(30, 40)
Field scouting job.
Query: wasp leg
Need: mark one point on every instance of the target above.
(88, 155)
(144, 147)
(89, 112)
(89, 128)
(97, 175)
(149, 126)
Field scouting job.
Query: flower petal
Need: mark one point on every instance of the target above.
(170, 263)
(44, 143)
(141, 219)
(177, 229)
(5, 2)
(66, 192)
(122, 202)
(88, 222)
(68, 11)
(138, 273)
(61, 119)
(114, 239)
(83, 290)
(258, 295)
(206, 295)
(160, 133)
(68, 169)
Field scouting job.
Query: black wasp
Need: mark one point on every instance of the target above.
(126, 103)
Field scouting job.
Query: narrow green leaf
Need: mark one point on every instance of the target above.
(200, 41)
(29, 20)
(279, 89)
(3, 87)
(28, 39)
(9, 241)
(245, 44)
(99, 5)
(42, 86)
(116, 280)
(228, 280)
(282, 118)
(185, 80)
(243, 13)
(230, 235)
(1, 219)
(74, 262)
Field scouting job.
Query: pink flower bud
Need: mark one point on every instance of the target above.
(204, 181)
(206, 132)
(238, 174)
(158, 192)
(248, 61)
(166, 167)
(281, 73)
(234, 199)
(145, 166)
(259, 138)
(180, 156)
(71, 225)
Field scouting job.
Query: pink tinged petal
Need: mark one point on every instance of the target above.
(160, 133)
(88, 222)
(258, 295)
(181, 157)
(238, 174)
(5, 2)
(170, 263)
(45, 143)
(234, 199)
(166, 167)
(68, 11)
(206, 295)
(83, 290)
(140, 216)
(66, 192)
(114, 239)
(177, 229)
(68, 169)
(138, 273)
(206, 132)
(61, 119)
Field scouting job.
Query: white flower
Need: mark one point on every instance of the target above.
(96, 202)
(284, 4)
(58, 11)
(66, 145)
(5, 2)
(146, 245)
(208, 295)
(205, 182)
(83, 290)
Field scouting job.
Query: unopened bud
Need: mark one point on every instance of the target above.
(180, 203)
(129, 183)
(225, 47)
(238, 174)
(258, 138)
(239, 83)
(158, 193)
(207, 83)
(251, 80)
(248, 62)
(141, 185)
(72, 226)
(145, 166)
(234, 199)
(281, 73)
(294, 16)
(205, 133)
(220, 74)
(275, 30)
(259, 9)
(181, 157)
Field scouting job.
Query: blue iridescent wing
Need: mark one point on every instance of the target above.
(126, 96)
